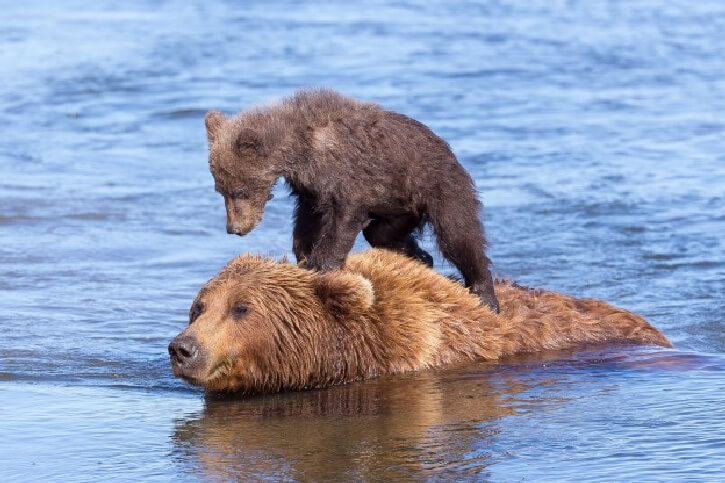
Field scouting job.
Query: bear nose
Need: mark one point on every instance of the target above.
(237, 230)
(183, 350)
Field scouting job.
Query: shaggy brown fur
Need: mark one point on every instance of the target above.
(353, 166)
(264, 326)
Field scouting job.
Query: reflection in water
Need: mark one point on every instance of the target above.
(455, 423)
(420, 424)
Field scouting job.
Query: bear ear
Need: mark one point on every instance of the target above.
(213, 120)
(344, 293)
(248, 139)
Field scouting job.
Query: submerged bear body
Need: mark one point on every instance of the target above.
(265, 326)
(353, 167)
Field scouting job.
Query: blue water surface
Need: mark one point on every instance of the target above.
(596, 136)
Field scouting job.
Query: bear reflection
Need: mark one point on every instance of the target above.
(420, 424)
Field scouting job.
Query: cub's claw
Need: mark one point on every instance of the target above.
(423, 257)
(488, 298)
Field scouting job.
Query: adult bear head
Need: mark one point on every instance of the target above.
(262, 326)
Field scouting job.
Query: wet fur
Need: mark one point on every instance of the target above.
(384, 313)
(353, 167)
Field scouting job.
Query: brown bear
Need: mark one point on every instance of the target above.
(266, 326)
(353, 167)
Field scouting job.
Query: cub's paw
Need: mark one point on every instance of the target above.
(423, 257)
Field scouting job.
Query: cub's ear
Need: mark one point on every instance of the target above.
(213, 120)
(248, 139)
(344, 293)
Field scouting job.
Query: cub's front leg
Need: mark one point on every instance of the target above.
(336, 237)
(308, 225)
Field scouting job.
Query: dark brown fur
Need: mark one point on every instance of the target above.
(384, 313)
(353, 166)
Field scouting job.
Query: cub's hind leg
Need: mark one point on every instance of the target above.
(396, 233)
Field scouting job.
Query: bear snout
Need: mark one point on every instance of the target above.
(183, 353)
(237, 230)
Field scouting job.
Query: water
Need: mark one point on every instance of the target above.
(594, 131)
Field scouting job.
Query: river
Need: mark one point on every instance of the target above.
(594, 131)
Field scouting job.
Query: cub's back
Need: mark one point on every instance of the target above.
(369, 130)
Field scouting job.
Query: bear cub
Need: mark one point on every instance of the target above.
(353, 166)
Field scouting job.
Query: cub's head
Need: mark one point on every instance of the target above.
(264, 326)
(239, 159)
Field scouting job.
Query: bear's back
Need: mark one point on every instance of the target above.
(409, 294)
(429, 319)
(398, 278)
(317, 107)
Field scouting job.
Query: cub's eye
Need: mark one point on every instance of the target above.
(195, 311)
(240, 193)
(239, 311)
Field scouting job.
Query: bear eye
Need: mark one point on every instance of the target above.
(195, 311)
(239, 311)
(240, 193)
